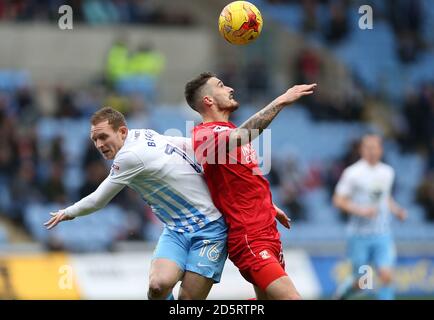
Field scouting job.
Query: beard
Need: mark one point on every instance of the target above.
(233, 105)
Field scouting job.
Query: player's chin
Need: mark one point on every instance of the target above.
(234, 105)
(107, 155)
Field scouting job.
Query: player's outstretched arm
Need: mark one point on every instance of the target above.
(93, 202)
(254, 126)
(56, 218)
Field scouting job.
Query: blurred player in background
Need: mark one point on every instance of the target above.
(364, 192)
(192, 247)
(237, 186)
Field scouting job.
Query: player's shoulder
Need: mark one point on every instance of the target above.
(386, 168)
(139, 143)
(354, 168)
(126, 158)
(139, 134)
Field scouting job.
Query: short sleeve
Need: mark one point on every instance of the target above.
(210, 143)
(126, 166)
(345, 185)
(392, 179)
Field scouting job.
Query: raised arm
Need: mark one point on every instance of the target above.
(254, 126)
(93, 202)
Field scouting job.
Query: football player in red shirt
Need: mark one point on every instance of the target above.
(236, 184)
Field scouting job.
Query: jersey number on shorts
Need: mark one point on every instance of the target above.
(171, 149)
(213, 252)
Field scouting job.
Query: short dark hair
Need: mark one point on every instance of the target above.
(114, 117)
(193, 86)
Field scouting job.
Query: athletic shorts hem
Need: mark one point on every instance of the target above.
(170, 259)
(204, 273)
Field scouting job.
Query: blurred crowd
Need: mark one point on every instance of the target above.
(405, 16)
(95, 12)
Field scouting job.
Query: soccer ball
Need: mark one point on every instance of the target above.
(240, 22)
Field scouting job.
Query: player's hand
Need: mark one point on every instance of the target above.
(401, 214)
(57, 217)
(296, 92)
(282, 218)
(369, 212)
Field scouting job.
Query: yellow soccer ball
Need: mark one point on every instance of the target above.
(240, 22)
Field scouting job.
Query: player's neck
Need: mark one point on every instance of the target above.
(371, 163)
(216, 117)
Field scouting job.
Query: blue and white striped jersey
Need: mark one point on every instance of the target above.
(158, 168)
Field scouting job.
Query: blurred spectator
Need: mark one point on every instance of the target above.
(95, 12)
(57, 153)
(117, 61)
(291, 188)
(146, 61)
(337, 25)
(100, 12)
(425, 195)
(407, 20)
(310, 21)
(25, 106)
(257, 80)
(134, 73)
(8, 152)
(135, 212)
(273, 176)
(25, 190)
(91, 155)
(417, 114)
(96, 172)
(53, 188)
(308, 66)
(407, 47)
(66, 103)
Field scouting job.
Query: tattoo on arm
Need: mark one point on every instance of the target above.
(254, 126)
(263, 118)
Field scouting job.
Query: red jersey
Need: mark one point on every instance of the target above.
(243, 198)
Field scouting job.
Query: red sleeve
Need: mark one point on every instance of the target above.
(210, 144)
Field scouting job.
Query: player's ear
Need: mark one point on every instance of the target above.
(123, 131)
(207, 101)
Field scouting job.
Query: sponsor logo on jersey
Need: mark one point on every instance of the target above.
(264, 254)
(249, 154)
(219, 129)
(114, 169)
